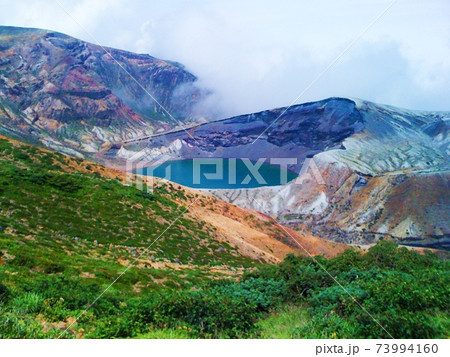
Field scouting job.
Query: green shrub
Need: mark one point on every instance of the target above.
(5, 294)
(262, 294)
(405, 291)
(64, 183)
(221, 310)
(19, 325)
(27, 303)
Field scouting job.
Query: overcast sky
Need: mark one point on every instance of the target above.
(257, 55)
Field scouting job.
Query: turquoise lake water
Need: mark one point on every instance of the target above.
(231, 174)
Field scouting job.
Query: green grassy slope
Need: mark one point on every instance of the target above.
(399, 292)
(68, 228)
(66, 235)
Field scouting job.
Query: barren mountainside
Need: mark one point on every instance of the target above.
(385, 170)
(75, 96)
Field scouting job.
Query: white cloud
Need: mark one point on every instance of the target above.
(260, 54)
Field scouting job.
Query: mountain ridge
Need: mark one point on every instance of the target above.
(68, 95)
(366, 153)
(58, 88)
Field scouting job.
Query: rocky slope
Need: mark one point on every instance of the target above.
(385, 170)
(74, 96)
(244, 232)
(302, 131)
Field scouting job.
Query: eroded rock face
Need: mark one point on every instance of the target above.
(55, 88)
(385, 170)
(411, 208)
(301, 131)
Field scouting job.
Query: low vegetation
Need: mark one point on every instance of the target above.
(66, 235)
(387, 292)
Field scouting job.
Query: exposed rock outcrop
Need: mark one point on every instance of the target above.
(78, 97)
(385, 170)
